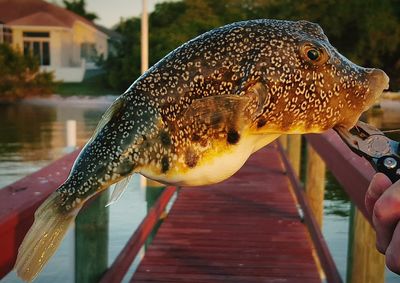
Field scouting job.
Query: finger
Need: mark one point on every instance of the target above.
(378, 185)
(393, 251)
(386, 214)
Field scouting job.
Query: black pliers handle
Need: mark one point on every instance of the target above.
(372, 144)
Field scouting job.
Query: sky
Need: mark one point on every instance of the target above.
(110, 11)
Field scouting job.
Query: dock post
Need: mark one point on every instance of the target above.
(91, 229)
(153, 192)
(144, 66)
(283, 140)
(364, 263)
(70, 135)
(315, 183)
(294, 152)
(91, 241)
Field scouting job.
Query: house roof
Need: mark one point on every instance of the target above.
(37, 19)
(37, 13)
(112, 34)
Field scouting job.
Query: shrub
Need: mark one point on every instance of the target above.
(21, 77)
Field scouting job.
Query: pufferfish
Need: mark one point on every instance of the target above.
(196, 116)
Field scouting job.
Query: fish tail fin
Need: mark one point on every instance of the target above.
(43, 238)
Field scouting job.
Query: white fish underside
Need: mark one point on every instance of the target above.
(219, 168)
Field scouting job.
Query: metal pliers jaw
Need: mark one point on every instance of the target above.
(372, 144)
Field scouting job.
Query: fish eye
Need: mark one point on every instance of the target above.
(313, 54)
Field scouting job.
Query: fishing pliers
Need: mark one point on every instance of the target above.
(372, 144)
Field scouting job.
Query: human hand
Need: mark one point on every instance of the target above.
(382, 202)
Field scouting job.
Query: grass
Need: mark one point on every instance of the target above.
(92, 85)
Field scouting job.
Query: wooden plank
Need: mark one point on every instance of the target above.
(365, 263)
(294, 152)
(289, 260)
(265, 270)
(315, 184)
(165, 277)
(246, 229)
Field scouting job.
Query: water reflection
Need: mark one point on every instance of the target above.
(27, 129)
(32, 133)
(338, 202)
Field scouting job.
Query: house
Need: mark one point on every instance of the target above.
(64, 42)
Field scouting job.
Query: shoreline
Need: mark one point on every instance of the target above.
(54, 99)
(75, 100)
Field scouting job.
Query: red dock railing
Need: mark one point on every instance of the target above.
(352, 172)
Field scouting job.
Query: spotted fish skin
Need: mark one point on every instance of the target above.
(244, 79)
(196, 116)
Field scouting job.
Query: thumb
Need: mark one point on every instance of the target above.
(379, 183)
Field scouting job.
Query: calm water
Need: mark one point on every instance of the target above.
(32, 134)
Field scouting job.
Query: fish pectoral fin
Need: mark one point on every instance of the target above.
(259, 98)
(107, 116)
(119, 189)
(215, 111)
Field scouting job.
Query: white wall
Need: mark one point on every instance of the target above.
(67, 74)
(83, 33)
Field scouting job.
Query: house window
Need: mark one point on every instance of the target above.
(38, 44)
(5, 34)
(37, 34)
(88, 51)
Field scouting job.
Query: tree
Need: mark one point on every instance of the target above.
(79, 7)
(171, 24)
(124, 66)
(365, 31)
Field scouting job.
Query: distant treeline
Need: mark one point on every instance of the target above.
(366, 31)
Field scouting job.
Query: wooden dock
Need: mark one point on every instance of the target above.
(257, 226)
(246, 229)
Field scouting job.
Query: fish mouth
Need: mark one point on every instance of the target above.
(379, 82)
(341, 129)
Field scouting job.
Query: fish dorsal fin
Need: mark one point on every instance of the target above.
(119, 189)
(215, 111)
(114, 108)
